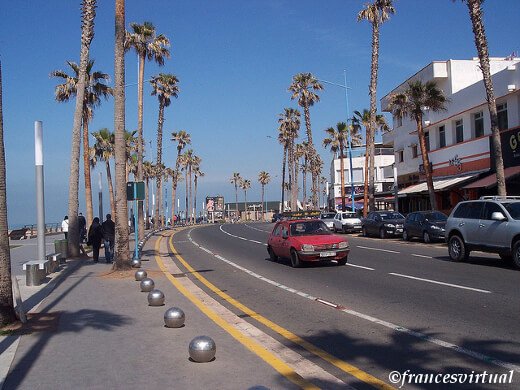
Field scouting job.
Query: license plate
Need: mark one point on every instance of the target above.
(327, 254)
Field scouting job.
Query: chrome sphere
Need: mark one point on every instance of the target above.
(156, 298)
(202, 349)
(136, 263)
(147, 285)
(174, 317)
(140, 275)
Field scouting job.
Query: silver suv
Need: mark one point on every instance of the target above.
(490, 224)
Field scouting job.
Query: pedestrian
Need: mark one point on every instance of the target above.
(95, 236)
(109, 234)
(82, 224)
(65, 226)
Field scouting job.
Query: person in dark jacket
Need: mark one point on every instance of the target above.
(95, 237)
(109, 234)
(82, 225)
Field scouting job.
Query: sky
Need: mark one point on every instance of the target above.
(234, 60)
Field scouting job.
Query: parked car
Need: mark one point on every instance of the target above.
(347, 222)
(490, 224)
(276, 217)
(428, 225)
(328, 219)
(383, 224)
(306, 240)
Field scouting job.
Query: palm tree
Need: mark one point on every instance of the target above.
(159, 174)
(7, 314)
(323, 182)
(245, 185)
(363, 120)
(264, 179)
(316, 167)
(411, 102)
(130, 156)
(95, 89)
(236, 180)
(148, 45)
(196, 174)
(303, 152)
(376, 14)
(176, 178)
(284, 138)
(104, 150)
(120, 153)
(164, 86)
(304, 87)
(147, 175)
(87, 33)
(289, 122)
(475, 14)
(337, 139)
(182, 138)
(187, 165)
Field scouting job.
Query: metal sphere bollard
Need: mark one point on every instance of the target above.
(156, 298)
(147, 285)
(202, 349)
(136, 263)
(174, 317)
(140, 275)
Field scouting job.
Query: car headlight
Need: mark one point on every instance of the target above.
(307, 248)
(435, 227)
(343, 245)
(389, 225)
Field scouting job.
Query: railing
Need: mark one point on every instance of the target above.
(32, 230)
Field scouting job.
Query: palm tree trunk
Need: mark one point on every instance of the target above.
(366, 174)
(191, 197)
(373, 108)
(311, 146)
(475, 14)
(7, 314)
(263, 211)
(140, 143)
(284, 162)
(294, 175)
(426, 163)
(296, 166)
(86, 171)
(121, 244)
(87, 33)
(195, 198)
(158, 180)
(236, 200)
(174, 188)
(245, 202)
(110, 189)
(147, 201)
(186, 194)
(304, 183)
(342, 178)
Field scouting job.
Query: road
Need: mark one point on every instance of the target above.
(396, 306)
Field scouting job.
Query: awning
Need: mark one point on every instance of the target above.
(438, 185)
(491, 180)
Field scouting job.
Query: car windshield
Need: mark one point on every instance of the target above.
(436, 217)
(328, 215)
(513, 208)
(349, 215)
(308, 228)
(386, 216)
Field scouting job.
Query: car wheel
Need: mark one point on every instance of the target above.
(457, 249)
(295, 260)
(364, 232)
(426, 237)
(272, 254)
(406, 237)
(516, 254)
(334, 228)
(342, 261)
(382, 233)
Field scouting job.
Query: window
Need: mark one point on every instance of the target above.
(470, 210)
(358, 175)
(400, 156)
(442, 137)
(478, 123)
(427, 140)
(414, 151)
(490, 209)
(502, 116)
(459, 131)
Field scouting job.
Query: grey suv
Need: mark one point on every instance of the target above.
(490, 224)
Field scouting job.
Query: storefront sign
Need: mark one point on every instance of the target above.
(510, 148)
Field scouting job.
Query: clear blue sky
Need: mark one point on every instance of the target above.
(235, 60)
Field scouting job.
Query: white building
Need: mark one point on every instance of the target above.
(384, 158)
(458, 139)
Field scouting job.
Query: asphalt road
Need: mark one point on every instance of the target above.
(396, 306)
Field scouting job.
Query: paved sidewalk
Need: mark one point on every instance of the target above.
(95, 330)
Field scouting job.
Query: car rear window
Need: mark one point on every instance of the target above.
(328, 215)
(436, 216)
(307, 228)
(513, 208)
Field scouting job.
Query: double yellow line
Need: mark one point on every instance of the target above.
(267, 356)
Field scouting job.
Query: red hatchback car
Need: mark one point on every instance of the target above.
(306, 240)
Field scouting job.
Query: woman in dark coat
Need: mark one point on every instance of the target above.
(95, 237)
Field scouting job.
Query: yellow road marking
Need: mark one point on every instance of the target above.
(278, 364)
(342, 365)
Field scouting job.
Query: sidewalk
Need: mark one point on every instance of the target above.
(95, 330)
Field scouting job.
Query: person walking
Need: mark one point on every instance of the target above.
(82, 224)
(65, 226)
(95, 236)
(109, 234)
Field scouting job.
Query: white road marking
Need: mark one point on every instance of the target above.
(260, 230)
(376, 249)
(426, 257)
(397, 328)
(241, 238)
(359, 266)
(441, 283)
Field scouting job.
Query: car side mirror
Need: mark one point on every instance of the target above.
(285, 235)
(498, 216)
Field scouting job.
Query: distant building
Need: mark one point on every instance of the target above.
(384, 159)
(458, 139)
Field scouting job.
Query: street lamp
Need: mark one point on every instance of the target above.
(349, 139)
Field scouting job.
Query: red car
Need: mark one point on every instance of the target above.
(306, 240)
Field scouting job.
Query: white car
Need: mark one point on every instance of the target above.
(328, 219)
(347, 222)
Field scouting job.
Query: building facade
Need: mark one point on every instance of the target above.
(458, 139)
